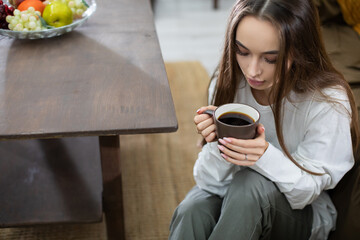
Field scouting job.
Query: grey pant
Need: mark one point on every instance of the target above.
(253, 208)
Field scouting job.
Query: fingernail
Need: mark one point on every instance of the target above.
(223, 155)
(222, 141)
(263, 128)
(220, 147)
(227, 139)
(198, 110)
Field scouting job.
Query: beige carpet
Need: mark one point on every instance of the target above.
(157, 170)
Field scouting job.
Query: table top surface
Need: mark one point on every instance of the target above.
(106, 77)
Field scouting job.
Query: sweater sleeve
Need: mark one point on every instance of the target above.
(326, 148)
(211, 172)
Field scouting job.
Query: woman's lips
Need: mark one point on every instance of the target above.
(254, 82)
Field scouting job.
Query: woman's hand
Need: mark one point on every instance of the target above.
(205, 123)
(244, 152)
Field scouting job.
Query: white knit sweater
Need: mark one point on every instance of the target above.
(316, 133)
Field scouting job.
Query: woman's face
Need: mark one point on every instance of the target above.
(257, 48)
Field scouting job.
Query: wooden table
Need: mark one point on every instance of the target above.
(104, 79)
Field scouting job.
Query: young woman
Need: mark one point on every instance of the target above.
(273, 186)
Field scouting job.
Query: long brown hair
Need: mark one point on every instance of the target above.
(300, 40)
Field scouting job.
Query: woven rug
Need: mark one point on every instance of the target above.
(157, 170)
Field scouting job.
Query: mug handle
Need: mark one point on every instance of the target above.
(209, 112)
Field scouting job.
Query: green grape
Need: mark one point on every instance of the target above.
(18, 27)
(33, 18)
(25, 21)
(24, 17)
(8, 18)
(17, 12)
(79, 12)
(32, 25)
(71, 4)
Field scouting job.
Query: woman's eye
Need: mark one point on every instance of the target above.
(270, 60)
(238, 51)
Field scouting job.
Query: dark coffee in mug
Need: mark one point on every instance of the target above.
(236, 119)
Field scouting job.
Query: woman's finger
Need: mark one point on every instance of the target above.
(203, 109)
(200, 118)
(205, 124)
(257, 150)
(207, 131)
(237, 155)
(236, 161)
(211, 137)
(260, 129)
(258, 142)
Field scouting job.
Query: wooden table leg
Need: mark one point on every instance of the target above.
(112, 183)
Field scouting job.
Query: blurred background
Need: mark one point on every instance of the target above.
(191, 30)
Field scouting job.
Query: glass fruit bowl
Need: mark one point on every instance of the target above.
(48, 33)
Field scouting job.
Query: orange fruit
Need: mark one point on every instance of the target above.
(36, 4)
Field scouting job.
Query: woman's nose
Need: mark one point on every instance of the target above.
(254, 68)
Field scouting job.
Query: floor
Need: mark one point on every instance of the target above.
(191, 30)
